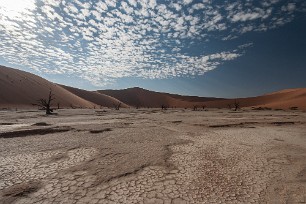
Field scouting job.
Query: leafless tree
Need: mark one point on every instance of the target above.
(45, 104)
(117, 106)
(229, 106)
(236, 105)
(164, 107)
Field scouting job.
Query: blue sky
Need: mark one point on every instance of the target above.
(193, 47)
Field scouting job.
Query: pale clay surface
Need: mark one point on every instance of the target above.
(153, 156)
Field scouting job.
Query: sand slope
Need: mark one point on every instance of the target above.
(95, 97)
(22, 89)
(139, 97)
(284, 99)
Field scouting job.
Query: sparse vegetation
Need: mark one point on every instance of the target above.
(117, 106)
(195, 107)
(229, 106)
(45, 104)
(236, 105)
(164, 107)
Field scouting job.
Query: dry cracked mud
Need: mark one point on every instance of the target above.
(152, 156)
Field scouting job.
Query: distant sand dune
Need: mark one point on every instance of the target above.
(22, 89)
(95, 97)
(145, 98)
(284, 99)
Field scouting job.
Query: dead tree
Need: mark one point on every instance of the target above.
(164, 107)
(45, 104)
(229, 106)
(117, 106)
(138, 105)
(236, 105)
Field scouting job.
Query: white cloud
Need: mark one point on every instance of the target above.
(111, 39)
(241, 16)
(126, 8)
(290, 7)
(111, 3)
(245, 45)
(101, 7)
(268, 3)
(72, 8)
(152, 4)
(177, 7)
(186, 2)
(133, 2)
(247, 29)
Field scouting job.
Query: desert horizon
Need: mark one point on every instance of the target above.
(17, 83)
(152, 102)
(60, 144)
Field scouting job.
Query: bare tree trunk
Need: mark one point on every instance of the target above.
(45, 104)
(237, 105)
(117, 106)
(48, 105)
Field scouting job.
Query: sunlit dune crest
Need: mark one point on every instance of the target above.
(21, 89)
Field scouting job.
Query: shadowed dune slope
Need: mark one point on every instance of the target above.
(284, 99)
(95, 97)
(22, 89)
(139, 97)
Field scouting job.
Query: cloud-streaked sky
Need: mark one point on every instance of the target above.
(183, 45)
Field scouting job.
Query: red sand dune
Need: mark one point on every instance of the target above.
(95, 97)
(21, 89)
(139, 97)
(284, 99)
